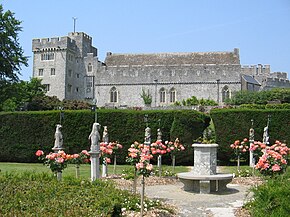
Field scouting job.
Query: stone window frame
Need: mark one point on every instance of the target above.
(113, 95)
(47, 56)
(90, 67)
(46, 87)
(172, 95)
(69, 72)
(162, 95)
(40, 72)
(226, 93)
(69, 88)
(52, 71)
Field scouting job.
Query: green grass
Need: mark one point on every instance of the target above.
(85, 169)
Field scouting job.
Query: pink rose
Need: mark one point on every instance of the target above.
(276, 167)
(85, 152)
(139, 166)
(108, 160)
(149, 167)
(39, 153)
(76, 155)
(59, 160)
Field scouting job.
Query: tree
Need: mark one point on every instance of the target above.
(11, 53)
(15, 95)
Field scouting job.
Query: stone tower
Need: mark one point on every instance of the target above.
(66, 65)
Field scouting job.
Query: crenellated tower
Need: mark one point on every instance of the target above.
(62, 64)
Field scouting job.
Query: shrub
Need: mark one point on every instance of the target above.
(231, 124)
(31, 194)
(271, 199)
(23, 133)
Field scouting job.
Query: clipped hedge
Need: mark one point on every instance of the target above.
(22, 133)
(234, 124)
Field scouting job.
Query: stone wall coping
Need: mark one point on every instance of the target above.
(197, 145)
(191, 176)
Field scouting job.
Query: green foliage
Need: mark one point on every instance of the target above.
(261, 97)
(29, 194)
(147, 97)
(9, 105)
(233, 124)
(20, 94)
(267, 106)
(271, 199)
(26, 132)
(11, 53)
(193, 101)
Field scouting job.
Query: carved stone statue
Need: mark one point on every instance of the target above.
(266, 136)
(58, 137)
(251, 135)
(147, 139)
(95, 136)
(105, 135)
(159, 134)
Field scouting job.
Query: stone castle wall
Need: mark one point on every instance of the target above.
(80, 75)
(190, 80)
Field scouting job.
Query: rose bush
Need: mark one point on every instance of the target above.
(139, 155)
(57, 162)
(274, 159)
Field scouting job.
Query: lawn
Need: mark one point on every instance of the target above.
(85, 169)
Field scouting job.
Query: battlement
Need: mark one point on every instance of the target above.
(80, 34)
(53, 43)
(280, 75)
(254, 70)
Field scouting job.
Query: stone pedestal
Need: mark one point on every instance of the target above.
(203, 177)
(104, 170)
(95, 165)
(205, 156)
(56, 150)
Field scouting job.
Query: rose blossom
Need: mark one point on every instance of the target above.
(276, 167)
(39, 153)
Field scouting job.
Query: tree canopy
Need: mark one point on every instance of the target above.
(11, 53)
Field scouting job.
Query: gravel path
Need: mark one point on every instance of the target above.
(170, 190)
(192, 204)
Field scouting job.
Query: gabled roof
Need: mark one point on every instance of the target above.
(172, 58)
(250, 79)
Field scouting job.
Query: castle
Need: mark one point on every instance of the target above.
(70, 69)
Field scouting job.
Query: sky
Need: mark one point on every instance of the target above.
(259, 28)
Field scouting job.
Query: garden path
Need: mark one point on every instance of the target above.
(192, 204)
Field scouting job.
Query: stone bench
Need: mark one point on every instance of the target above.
(205, 184)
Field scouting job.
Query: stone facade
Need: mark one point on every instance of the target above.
(70, 68)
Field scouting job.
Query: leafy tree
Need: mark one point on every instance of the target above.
(18, 94)
(261, 97)
(11, 53)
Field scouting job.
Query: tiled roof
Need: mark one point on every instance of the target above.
(250, 79)
(172, 58)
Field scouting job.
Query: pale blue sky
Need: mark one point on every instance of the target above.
(259, 28)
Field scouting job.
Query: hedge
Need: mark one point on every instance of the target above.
(22, 133)
(234, 124)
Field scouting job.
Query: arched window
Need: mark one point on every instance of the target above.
(162, 93)
(113, 95)
(172, 95)
(90, 67)
(225, 93)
